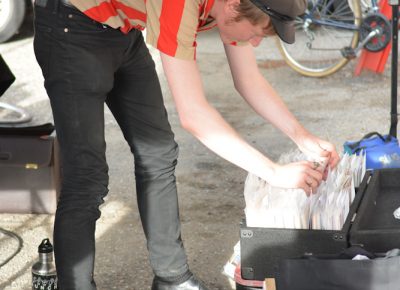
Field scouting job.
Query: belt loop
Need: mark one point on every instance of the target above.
(56, 5)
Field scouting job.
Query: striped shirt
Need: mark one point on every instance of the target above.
(171, 25)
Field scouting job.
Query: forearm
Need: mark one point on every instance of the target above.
(214, 132)
(205, 123)
(258, 92)
(267, 103)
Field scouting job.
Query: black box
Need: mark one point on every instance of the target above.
(370, 223)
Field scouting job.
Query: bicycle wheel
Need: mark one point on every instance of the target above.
(366, 6)
(322, 34)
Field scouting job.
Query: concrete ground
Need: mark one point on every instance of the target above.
(338, 108)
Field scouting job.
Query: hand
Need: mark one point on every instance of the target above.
(304, 175)
(320, 150)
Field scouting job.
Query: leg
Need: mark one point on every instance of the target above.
(77, 64)
(137, 104)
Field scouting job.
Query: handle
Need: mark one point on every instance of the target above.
(355, 145)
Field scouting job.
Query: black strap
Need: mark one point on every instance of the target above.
(356, 145)
(348, 253)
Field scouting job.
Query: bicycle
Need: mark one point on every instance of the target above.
(332, 32)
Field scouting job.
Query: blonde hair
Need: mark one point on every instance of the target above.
(247, 10)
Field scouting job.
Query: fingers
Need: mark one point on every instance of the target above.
(330, 153)
(305, 175)
(313, 176)
(315, 171)
(318, 166)
(330, 163)
(311, 185)
(325, 153)
(307, 190)
(334, 159)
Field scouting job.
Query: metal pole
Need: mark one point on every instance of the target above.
(395, 30)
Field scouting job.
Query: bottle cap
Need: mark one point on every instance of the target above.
(45, 246)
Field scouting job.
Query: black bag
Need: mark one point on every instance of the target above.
(334, 272)
(29, 170)
(6, 76)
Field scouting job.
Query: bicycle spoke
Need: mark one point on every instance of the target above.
(321, 35)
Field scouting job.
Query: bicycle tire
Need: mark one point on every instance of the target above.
(12, 13)
(327, 57)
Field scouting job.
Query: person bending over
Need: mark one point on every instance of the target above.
(92, 52)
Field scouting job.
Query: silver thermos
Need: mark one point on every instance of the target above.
(44, 276)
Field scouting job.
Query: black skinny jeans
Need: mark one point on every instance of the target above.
(86, 65)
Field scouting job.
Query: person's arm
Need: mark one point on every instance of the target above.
(199, 118)
(253, 87)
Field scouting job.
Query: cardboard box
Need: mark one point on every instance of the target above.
(29, 174)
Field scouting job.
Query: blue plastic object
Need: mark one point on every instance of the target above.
(381, 151)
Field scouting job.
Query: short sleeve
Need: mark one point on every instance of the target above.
(172, 26)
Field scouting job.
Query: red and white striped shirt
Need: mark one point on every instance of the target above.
(171, 25)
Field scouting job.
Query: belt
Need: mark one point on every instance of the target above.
(67, 3)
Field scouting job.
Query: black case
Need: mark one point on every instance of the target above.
(375, 227)
(370, 223)
(340, 271)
